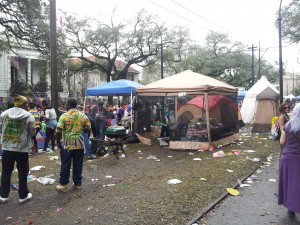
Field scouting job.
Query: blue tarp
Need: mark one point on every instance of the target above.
(241, 95)
(114, 88)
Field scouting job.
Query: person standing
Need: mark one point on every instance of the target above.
(32, 109)
(100, 115)
(86, 140)
(284, 109)
(49, 116)
(69, 139)
(18, 137)
(289, 166)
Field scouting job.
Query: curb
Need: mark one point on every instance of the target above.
(213, 205)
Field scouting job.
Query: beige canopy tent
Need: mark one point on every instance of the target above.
(191, 83)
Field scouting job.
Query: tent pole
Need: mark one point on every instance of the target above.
(175, 108)
(207, 117)
(131, 110)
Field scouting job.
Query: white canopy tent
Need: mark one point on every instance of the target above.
(260, 105)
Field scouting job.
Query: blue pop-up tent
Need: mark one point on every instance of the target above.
(114, 88)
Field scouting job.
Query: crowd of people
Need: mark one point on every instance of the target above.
(69, 131)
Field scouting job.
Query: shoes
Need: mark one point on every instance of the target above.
(61, 188)
(3, 200)
(29, 196)
(291, 214)
(92, 156)
(77, 187)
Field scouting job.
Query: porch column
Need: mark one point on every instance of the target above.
(28, 72)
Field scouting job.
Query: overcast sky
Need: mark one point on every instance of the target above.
(248, 21)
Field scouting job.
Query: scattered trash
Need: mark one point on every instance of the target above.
(58, 210)
(249, 151)
(243, 185)
(158, 160)
(94, 167)
(174, 181)
(122, 156)
(30, 178)
(230, 171)
(115, 178)
(151, 157)
(236, 152)
(258, 171)
(272, 180)
(169, 156)
(45, 180)
(203, 179)
(197, 159)
(232, 191)
(191, 153)
(219, 154)
(254, 159)
(36, 168)
(109, 185)
(94, 179)
(108, 176)
(30, 222)
(54, 158)
(14, 187)
(253, 177)
(124, 186)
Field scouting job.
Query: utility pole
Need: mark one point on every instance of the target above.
(162, 77)
(259, 75)
(252, 66)
(280, 55)
(53, 58)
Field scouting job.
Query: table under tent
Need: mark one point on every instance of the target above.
(204, 104)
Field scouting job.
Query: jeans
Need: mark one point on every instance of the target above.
(87, 144)
(100, 128)
(8, 161)
(67, 157)
(49, 135)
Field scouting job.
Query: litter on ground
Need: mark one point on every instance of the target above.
(174, 181)
(45, 180)
(36, 168)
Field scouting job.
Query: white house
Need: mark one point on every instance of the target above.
(22, 63)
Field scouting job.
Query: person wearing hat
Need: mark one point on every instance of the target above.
(18, 138)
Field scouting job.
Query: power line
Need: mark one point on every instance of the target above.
(176, 14)
(200, 16)
(192, 21)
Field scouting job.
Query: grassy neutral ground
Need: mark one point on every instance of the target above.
(135, 189)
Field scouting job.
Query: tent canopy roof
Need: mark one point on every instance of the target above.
(114, 88)
(213, 100)
(263, 89)
(188, 82)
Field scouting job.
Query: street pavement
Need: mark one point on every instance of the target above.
(256, 204)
